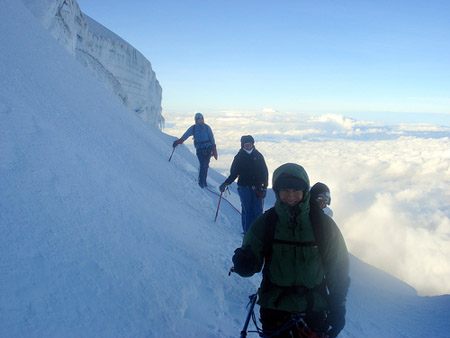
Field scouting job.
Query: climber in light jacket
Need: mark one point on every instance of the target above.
(204, 143)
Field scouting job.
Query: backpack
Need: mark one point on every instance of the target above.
(193, 135)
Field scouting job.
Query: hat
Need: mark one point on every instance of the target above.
(198, 116)
(246, 139)
(287, 181)
(320, 188)
(317, 189)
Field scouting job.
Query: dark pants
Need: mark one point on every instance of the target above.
(274, 320)
(204, 156)
(251, 204)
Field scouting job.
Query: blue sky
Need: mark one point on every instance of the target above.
(381, 60)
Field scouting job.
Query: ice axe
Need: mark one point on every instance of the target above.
(172, 153)
(249, 315)
(218, 206)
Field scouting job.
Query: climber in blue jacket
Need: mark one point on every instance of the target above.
(204, 143)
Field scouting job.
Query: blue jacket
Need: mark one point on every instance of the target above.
(203, 136)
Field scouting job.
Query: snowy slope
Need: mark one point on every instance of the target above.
(113, 61)
(101, 236)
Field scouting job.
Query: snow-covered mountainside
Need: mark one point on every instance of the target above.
(102, 236)
(117, 64)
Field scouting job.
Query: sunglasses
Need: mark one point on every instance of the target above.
(324, 197)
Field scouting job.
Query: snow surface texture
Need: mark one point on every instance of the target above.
(101, 236)
(113, 61)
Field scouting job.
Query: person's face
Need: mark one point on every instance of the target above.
(323, 199)
(248, 146)
(321, 203)
(291, 197)
(200, 120)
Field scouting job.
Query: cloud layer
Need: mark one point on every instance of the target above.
(390, 184)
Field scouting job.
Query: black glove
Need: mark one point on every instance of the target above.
(244, 260)
(336, 319)
(177, 142)
(222, 187)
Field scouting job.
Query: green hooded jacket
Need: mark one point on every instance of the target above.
(297, 267)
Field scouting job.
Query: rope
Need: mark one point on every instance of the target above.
(223, 199)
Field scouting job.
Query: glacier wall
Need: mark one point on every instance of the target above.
(113, 61)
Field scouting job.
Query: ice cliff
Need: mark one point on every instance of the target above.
(113, 61)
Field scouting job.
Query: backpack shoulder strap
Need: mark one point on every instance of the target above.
(319, 229)
(208, 131)
(269, 233)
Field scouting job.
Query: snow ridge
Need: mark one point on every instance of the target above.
(113, 61)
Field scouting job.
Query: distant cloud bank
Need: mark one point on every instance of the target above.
(390, 184)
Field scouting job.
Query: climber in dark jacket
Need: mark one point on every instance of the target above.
(306, 263)
(250, 167)
(320, 194)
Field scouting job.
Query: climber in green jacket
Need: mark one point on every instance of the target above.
(304, 260)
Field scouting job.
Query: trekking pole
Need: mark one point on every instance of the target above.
(172, 154)
(218, 206)
(249, 315)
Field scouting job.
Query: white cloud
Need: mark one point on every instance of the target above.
(422, 127)
(390, 184)
(270, 110)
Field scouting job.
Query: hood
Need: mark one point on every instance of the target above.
(296, 171)
(198, 116)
